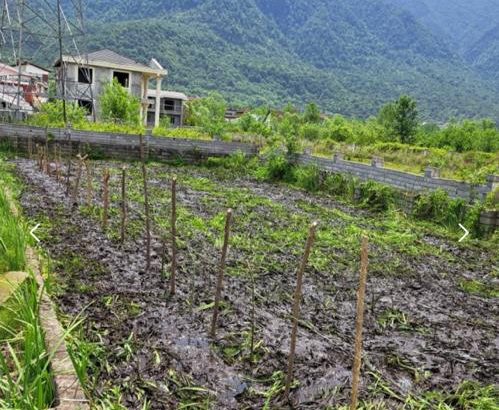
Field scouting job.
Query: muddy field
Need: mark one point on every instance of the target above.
(425, 329)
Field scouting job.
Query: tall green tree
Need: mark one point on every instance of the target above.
(117, 105)
(406, 119)
(312, 113)
(400, 120)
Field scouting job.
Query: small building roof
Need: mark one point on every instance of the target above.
(110, 59)
(174, 95)
(26, 62)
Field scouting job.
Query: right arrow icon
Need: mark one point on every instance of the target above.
(466, 233)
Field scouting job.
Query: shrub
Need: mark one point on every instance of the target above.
(376, 196)
(308, 177)
(117, 105)
(276, 168)
(310, 132)
(51, 114)
(237, 161)
(438, 207)
(185, 133)
(337, 184)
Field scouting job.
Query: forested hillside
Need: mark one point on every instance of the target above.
(471, 28)
(350, 56)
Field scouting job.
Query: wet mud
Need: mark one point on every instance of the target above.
(432, 334)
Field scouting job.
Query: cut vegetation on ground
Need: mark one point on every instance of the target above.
(140, 347)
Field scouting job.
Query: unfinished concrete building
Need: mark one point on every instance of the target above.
(85, 77)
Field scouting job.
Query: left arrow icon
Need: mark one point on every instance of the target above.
(32, 233)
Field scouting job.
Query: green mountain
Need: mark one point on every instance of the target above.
(350, 56)
(470, 27)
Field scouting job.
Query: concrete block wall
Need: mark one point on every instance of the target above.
(400, 180)
(118, 146)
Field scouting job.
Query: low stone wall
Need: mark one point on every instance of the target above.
(401, 180)
(118, 146)
(408, 184)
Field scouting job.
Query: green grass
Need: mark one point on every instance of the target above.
(25, 375)
(12, 234)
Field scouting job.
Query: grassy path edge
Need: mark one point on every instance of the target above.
(69, 392)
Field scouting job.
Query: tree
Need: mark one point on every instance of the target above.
(312, 113)
(117, 105)
(406, 119)
(209, 114)
(400, 119)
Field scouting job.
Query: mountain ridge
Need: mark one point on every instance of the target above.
(350, 56)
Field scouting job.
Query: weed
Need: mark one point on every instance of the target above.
(376, 196)
(394, 319)
(478, 288)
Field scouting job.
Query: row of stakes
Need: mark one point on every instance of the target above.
(45, 165)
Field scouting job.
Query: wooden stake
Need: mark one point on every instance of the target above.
(30, 144)
(90, 188)
(47, 152)
(123, 204)
(105, 193)
(39, 157)
(174, 235)
(359, 323)
(58, 162)
(218, 293)
(296, 306)
(146, 204)
(78, 178)
(68, 167)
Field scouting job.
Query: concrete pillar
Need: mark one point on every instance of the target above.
(431, 172)
(158, 102)
(378, 162)
(493, 184)
(144, 101)
(338, 157)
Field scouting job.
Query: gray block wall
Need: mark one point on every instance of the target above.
(119, 146)
(398, 179)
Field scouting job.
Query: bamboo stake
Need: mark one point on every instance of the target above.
(359, 323)
(146, 204)
(105, 192)
(296, 306)
(174, 235)
(123, 204)
(218, 292)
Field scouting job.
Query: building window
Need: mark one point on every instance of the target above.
(87, 105)
(169, 105)
(122, 78)
(85, 75)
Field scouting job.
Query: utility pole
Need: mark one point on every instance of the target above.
(63, 67)
(20, 15)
